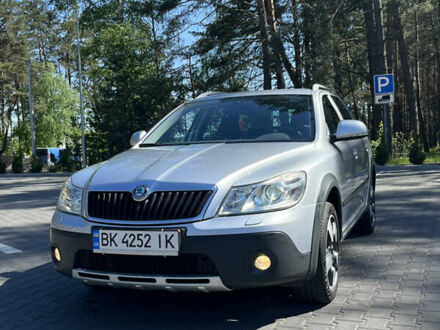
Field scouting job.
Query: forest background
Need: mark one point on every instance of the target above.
(140, 59)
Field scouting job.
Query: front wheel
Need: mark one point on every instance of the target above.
(322, 287)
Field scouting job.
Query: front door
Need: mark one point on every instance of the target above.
(358, 190)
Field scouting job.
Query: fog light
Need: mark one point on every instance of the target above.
(262, 262)
(57, 254)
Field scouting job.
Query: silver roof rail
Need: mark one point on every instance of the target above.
(208, 94)
(317, 87)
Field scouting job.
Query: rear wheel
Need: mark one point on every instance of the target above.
(322, 287)
(367, 223)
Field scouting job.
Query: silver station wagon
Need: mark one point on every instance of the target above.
(228, 191)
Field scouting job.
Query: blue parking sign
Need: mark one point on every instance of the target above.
(383, 84)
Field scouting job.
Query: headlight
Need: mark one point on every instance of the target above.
(281, 192)
(70, 199)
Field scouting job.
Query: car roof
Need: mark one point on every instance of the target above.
(222, 95)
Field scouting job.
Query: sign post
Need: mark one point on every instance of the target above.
(31, 108)
(384, 94)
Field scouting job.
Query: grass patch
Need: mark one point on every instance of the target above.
(432, 157)
(399, 161)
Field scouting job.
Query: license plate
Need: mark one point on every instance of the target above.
(163, 243)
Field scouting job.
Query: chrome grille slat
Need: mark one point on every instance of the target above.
(202, 203)
(194, 203)
(159, 205)
(173, 203)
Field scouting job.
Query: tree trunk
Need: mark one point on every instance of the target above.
(296, 43)
(407, 78)
(69, 70)
(337, 77)
(422, 130)
(390, 37)
(280, 51)
(376, 115)
(350, 81)
(380, 50)
(191, 78)
(380, 64)
(435, 31)
(155, 50)
(4, 143)
(306, 60)
(381, 68)
(270, 11)
(262, 23)
(398, 120)
(389, 47)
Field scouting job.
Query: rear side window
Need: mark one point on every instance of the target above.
(343, 109)
(331, 117)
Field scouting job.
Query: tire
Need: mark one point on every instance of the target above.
(322, 288)
(367, 222)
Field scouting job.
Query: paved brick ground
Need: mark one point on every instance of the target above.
(390, 280)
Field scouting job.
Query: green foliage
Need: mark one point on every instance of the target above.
(66, 160)
(55, 168)
(2, 167)
(374, 144)
(416, 154)
(17, 164)
(36, 164)
(401, 145)
(55, 104)
(22, 141)
(13, 49)
(433, 156)
(227, 47)
(131, 92)
(381, 155)
(143, 57)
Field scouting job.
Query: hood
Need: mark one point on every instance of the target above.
(203, 165)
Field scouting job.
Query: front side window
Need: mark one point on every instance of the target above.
(331, 117)
(238, 119)
(343, 109)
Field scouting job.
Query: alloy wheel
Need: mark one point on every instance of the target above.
(332, 253)
(372, 206)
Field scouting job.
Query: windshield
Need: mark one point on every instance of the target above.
(238, 119)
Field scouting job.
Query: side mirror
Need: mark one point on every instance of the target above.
(350, 130)
(137, 137)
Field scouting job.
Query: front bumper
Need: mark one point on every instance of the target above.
(233, 256)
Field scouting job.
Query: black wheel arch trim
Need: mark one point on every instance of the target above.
(328, 183)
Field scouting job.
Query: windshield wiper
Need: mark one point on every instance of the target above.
(146, 145)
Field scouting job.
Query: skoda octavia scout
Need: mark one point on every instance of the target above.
(228, 191)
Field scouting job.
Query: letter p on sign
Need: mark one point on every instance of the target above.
(383, 84)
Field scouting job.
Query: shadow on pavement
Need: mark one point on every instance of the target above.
(30, 199)
(41, 297)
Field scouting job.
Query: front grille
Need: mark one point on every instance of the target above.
(160, 205)
(182, 265)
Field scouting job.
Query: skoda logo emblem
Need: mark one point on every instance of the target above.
(140, 193)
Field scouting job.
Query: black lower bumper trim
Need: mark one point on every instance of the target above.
(232, 255)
